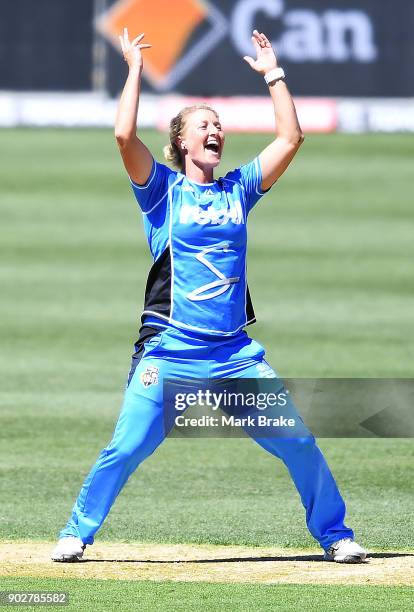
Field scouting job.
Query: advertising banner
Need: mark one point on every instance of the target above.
(358, 48)
(329, 48)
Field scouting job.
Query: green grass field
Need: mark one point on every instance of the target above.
(128, 596)
(331, 276)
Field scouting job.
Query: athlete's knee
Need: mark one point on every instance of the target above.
(121, 454)
(305, 440)
(303, 446)
(130, 450)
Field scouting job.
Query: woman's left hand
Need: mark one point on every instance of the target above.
(266, 58)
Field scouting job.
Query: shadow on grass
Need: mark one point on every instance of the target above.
(316, 558)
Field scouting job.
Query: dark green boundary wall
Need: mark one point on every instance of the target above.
(47, 45)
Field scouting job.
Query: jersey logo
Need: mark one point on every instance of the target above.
(150, 376)
(219, 286)
(216, 216)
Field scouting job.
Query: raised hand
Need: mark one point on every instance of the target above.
(266, 58)
(131, 50)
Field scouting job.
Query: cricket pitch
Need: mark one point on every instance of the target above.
(205, 563)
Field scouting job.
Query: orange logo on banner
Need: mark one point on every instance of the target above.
(168, 26)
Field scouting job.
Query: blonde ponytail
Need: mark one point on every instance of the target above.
(172, 154)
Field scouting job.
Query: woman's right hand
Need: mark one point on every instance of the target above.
(131, 50)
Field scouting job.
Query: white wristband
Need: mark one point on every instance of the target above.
(274, 75)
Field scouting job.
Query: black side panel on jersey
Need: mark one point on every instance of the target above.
(249, 307)
(145, 333)
(158, 289)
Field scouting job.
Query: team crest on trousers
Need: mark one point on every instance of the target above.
(150, 376)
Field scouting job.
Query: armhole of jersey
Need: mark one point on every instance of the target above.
(259, 189)
(149, 179)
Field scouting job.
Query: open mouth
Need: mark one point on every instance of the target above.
(212, 146)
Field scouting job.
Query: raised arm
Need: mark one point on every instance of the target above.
(135, 155)
(276, 157)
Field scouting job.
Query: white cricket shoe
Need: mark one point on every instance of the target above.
(68, 550)
(345, 551)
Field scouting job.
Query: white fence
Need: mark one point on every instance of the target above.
(239, 114)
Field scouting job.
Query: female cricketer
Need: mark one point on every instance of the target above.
(197, 301)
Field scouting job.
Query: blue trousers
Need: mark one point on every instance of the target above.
(140, 430)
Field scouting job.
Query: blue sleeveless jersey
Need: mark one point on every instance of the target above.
(198, 238)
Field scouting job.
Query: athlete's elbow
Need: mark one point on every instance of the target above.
(295, 139)
(300, 139)
(123, 138)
